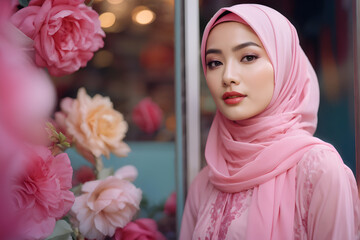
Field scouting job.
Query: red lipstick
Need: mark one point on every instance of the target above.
(233, 97)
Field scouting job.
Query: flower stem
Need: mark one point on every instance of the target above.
(98, 164)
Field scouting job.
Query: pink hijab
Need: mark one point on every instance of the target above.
(262, 152)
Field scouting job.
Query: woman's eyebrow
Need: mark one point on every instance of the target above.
(244, 45)
(236, 48)
(217, 51)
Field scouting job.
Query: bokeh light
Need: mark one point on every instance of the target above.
(107, 19)
(143, 15)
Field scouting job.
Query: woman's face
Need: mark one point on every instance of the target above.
(239, 73)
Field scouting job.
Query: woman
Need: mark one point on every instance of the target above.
(266, 177)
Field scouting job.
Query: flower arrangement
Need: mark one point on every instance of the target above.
(105, 202)
(43, 197)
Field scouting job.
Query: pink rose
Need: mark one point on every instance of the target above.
(170, 205)
(140, 229)
(127, 172)
(42, 193)
(105, 205)
(147, 115)
(94, 125)
(65, 33)
(56, 2)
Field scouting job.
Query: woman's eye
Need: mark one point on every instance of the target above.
(213, 64)
(249, 58)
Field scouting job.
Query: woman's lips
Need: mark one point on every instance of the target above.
(233, 97)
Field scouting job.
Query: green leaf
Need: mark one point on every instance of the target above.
(51, 127)
(62, 137)
(55, 133)
(62, 231)
(24, 3)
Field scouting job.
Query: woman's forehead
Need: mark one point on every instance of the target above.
(231, 32)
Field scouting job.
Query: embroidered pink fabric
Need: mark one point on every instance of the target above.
(326, 203)
(261, 153)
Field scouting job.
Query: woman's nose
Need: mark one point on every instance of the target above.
(230, 76)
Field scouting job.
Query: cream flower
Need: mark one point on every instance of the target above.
(105, 205)
(94, 124)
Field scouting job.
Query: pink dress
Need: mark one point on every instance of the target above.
(326, 204)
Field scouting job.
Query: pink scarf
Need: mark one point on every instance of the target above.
(262, 152)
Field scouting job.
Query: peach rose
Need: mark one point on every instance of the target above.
(105, 205)
(66, 33)
(93, 124)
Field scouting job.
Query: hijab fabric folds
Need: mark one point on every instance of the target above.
(262, 152)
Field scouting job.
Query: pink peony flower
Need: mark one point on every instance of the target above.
(170, 205)
(66, 33)
(11, 162)
(105, 205)
(147, 115)
(143, 228)
(41, 192)
(94, 125)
